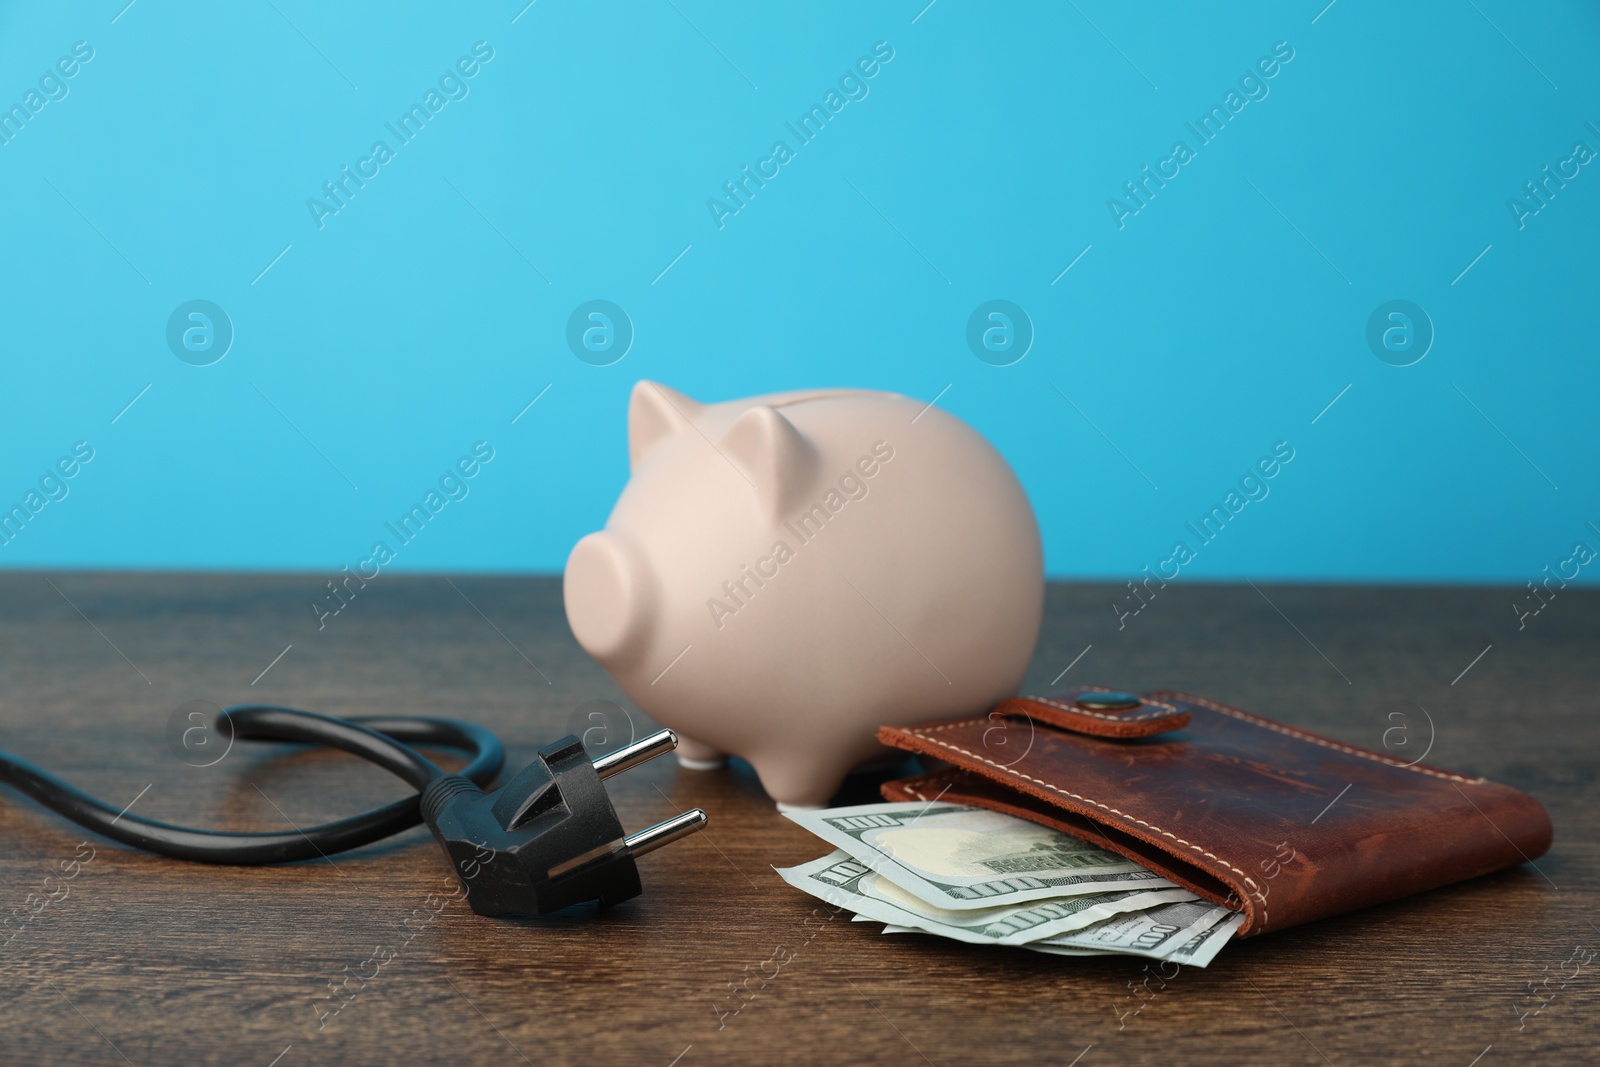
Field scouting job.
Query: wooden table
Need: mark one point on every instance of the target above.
(152, 961)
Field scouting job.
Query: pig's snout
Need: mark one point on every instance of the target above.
(608, 597)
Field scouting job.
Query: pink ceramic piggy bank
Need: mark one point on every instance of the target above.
(785, 573)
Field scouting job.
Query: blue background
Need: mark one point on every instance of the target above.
(1222, 318)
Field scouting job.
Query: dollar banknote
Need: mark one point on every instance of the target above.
(1043, 919)
(840, 879)
(1197, 951)
(905, 865)
(890, 928)
(1168, 931)
(963, 858)
(1156, 931)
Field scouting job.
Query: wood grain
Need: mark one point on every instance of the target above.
(151, 961)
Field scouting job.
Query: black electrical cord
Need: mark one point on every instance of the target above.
(384, 740)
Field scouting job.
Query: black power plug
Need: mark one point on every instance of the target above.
(549, 837)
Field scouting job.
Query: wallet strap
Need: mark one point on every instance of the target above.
(1096, 712)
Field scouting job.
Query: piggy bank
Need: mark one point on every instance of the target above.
(785, 573)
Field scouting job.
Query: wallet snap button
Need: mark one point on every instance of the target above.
(1106, 701)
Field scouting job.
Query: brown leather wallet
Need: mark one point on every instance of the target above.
(1271, 820)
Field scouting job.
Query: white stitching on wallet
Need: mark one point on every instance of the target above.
(913, 731)
(1315, 740)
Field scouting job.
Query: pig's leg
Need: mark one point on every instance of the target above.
(698, 756)
(798, 786)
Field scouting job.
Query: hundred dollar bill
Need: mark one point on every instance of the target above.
(1023, 917)
(840, 879)
(961, 858)
(1197, 951)
(1158, 933)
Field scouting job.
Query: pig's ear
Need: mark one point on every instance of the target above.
(774, 457)
(655, 413)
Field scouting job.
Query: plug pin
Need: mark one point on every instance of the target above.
(665, 833)
(657, 744)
